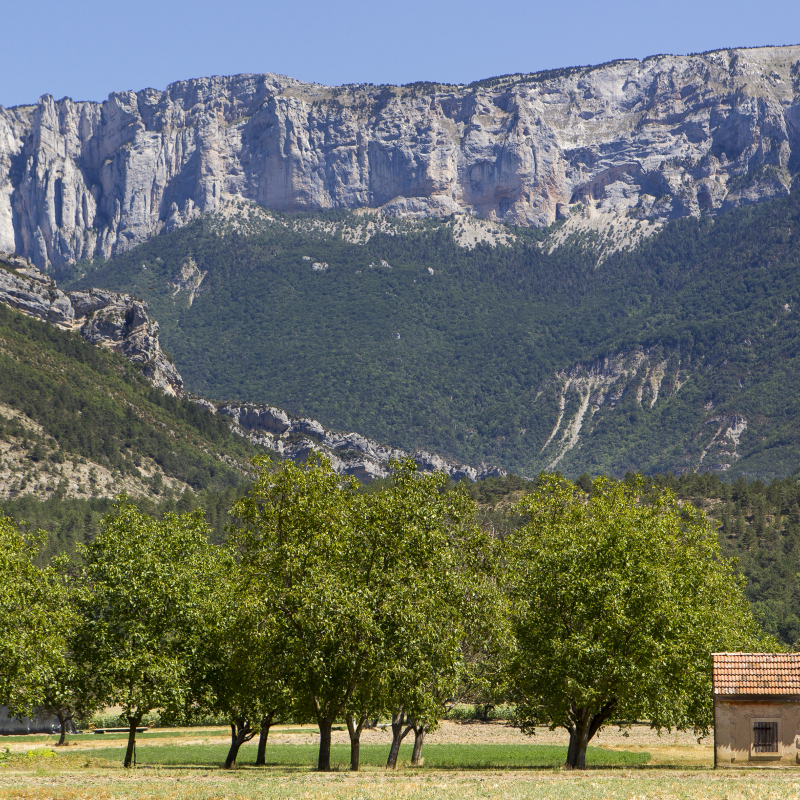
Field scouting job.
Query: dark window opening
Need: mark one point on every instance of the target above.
(765, 737)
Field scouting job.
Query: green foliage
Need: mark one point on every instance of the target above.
(240, 676)
(489, 329)
(299, 553)
(368, 594)
(71, 522)
(152, 719)
(759, 527)
(617, 602)
(145, 593)
(448, 621)
(33, 621)
(345, 603)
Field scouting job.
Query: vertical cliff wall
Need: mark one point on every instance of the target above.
(664, 137)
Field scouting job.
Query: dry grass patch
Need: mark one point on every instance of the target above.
(594, 785)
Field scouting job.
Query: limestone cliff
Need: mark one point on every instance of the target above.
(109, 319)
(660, 138)
(350, 454)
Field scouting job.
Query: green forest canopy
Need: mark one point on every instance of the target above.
(456, 350)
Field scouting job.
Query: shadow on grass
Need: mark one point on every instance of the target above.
(404, 769)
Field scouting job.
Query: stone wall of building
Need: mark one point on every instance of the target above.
(734, 731)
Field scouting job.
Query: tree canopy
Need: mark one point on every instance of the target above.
(617, 601)
(368, 592)
(33, 621)
(144, 590)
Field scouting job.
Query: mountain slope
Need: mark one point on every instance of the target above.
(79, 420)
(122, 323)
(401, 355)
(676, 353)
(665, 137)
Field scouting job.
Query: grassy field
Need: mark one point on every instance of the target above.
(463, 765)
(49, 782)
(437, 756)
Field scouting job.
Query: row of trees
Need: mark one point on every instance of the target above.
(328, 603)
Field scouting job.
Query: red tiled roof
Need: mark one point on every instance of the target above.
(757, 673)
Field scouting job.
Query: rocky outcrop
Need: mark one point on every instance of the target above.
(721, 452)
(586, 388)
(660, 138)
(586, 395)
(108, 319)
(188, 279)
(350, 454)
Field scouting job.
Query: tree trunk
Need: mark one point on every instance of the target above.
(398, 734)
(63, 718)
(584, 727)
(354, 729)
(133, 724)
(266, 724)
(324, 760)
(241, 732)
(578, 741)
(419, 736)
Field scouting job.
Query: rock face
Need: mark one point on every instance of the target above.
(350, 454)
(586, 395)
(660, 138)
(109, 319)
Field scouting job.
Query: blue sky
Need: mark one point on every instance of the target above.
(89, 48)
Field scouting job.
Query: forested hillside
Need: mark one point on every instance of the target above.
(80, 421)
(758, 524)
(676, 354)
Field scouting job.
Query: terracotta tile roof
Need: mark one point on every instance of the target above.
(757, 673)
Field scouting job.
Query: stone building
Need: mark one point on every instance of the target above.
(756, 709)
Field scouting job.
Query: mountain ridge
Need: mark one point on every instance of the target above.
(108, 319)
(661, 138)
